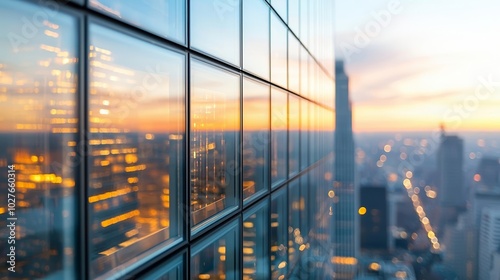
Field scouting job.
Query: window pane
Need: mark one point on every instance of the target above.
(255, 242)
(217, 257)
(297, 237)
(304, 72)
(293, 63)
(215, 28)
(164, 17)
(172, 269)
(304, 22)
(136, 122)
(256, 37)
(279, 235)
(38, 126)
(278, 52)
(306, 220)
(279, 126)
(215, 124)
(293, 134)
(304, 134)
(313, 148)
(256, 126)
(281, 7)
(293, 15)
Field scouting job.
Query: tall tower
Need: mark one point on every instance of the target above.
(345, 232)
(451, 177)
(489, 240)
(495, 269)
(489, 172)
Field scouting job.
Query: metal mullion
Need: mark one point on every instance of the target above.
(239, 153)
(83, 137)
(187, 175)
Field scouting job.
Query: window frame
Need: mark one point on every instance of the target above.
(207, 224)
(136, 263)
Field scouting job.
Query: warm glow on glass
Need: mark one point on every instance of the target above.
(331, 194)
(477, 177)
(214, 125)
(375, 266)
(344, 260)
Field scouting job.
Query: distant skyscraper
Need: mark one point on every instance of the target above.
(489, 240)
(489, 172)
(482, 199)
(460, 245)
(345, 216)
(451, 176)
(495, 269)
(374, 219)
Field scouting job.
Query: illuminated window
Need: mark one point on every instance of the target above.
(137, 129)
(215, 125)
(39, 73)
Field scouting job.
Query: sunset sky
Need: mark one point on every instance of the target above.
(423, 65)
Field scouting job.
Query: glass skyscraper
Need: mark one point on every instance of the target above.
(168, 139)
(346, 223)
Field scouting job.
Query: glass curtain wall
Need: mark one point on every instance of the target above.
(167, 139)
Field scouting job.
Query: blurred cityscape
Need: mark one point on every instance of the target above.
(440, 197)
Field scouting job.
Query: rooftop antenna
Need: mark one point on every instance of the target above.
(443, 132)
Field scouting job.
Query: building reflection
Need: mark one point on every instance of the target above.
(255, 245)
(215, 107)
(256, 138)
(38, 135)
(215, 256)
(131, 169)
(101, 173)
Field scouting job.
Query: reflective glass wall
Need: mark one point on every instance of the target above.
(168, 139)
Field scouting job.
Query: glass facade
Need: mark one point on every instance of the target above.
(279, 133)
(167, 139)
(255, 243)
(165, 18)
(215, 28)
(256, 127)
(256, 37)
(215, 107)
(39, 93)
(135, 154)
(217, 256)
